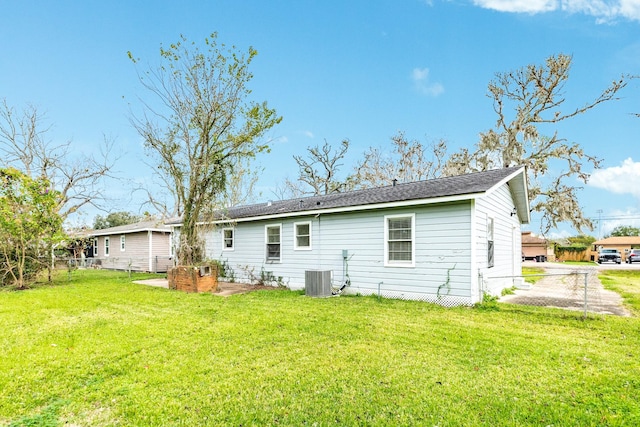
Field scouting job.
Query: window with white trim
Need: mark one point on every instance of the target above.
(272, 240)
(490, 243)
(95, 246)
(227, 239)
(302, 238)
(106, 246)
(122, 242)
(399, 247)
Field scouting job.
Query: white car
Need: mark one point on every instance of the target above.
(612, 255)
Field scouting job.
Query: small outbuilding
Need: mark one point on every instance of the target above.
(447, 240)
(143, 246)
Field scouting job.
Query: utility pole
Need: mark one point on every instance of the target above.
(599, 224)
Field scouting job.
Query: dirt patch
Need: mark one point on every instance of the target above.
(227, 288)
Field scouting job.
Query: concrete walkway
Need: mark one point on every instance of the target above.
(224, 288)
(560, 288)
(160, 283)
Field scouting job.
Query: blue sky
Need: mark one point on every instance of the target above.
(358, 69)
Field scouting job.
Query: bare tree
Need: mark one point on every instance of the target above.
(199, 128)
(24, 145)
(318, 173)
(407, 161)
(527, 102)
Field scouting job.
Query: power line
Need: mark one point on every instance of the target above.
(614, 218)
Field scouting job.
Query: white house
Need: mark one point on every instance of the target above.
(143, 246)
(447, 240)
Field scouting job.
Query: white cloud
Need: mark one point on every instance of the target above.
(617, 179)
(308, 134)
(519, 6)
(602, 10)
(630, 9)
(420, 77)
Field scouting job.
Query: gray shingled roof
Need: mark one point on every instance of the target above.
(153, 225)
(474, 183)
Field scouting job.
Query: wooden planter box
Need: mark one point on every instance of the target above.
(193, 279)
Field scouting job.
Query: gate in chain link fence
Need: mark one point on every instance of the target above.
(575, 290)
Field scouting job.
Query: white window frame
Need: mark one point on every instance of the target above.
(296, 246)
(396, 263)
(224, 238)
(107, 243)
(491, 242)
(266, 243)
(95, 246)
(123, 239)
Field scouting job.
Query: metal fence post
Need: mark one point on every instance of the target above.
(586, 280)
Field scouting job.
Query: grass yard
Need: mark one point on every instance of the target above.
(532, 274)
(101, 351)
(627, 284)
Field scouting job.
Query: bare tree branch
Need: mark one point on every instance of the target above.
(317, 172)
(23, 145)
(527, 101)
(406, 161)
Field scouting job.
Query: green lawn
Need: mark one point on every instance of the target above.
(100, 351)
(532, 274)
(627, 284)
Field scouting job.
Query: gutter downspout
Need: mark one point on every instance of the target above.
(150, 234)
(319, 257)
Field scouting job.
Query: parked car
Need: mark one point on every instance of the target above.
(612, 255)
(633, 256)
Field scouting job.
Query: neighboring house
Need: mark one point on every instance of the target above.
(622, 243)
(447, 240)
(143, 246)
(535, 248)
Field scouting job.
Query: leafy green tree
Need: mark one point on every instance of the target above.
(115, 219)
(581, 240)
(29, 226)
(240, 188)
(200, 125)
(625, 230)
(528, 102)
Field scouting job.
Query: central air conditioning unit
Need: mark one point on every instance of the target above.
(317, 283)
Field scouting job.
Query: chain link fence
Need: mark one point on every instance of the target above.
(575, 290)
(155, 264)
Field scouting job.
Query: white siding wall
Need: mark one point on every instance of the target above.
(507, 238)
(160, 251)
(442, 271)
(136, 255)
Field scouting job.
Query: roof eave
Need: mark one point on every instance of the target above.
(356, 208)
(139, 230)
